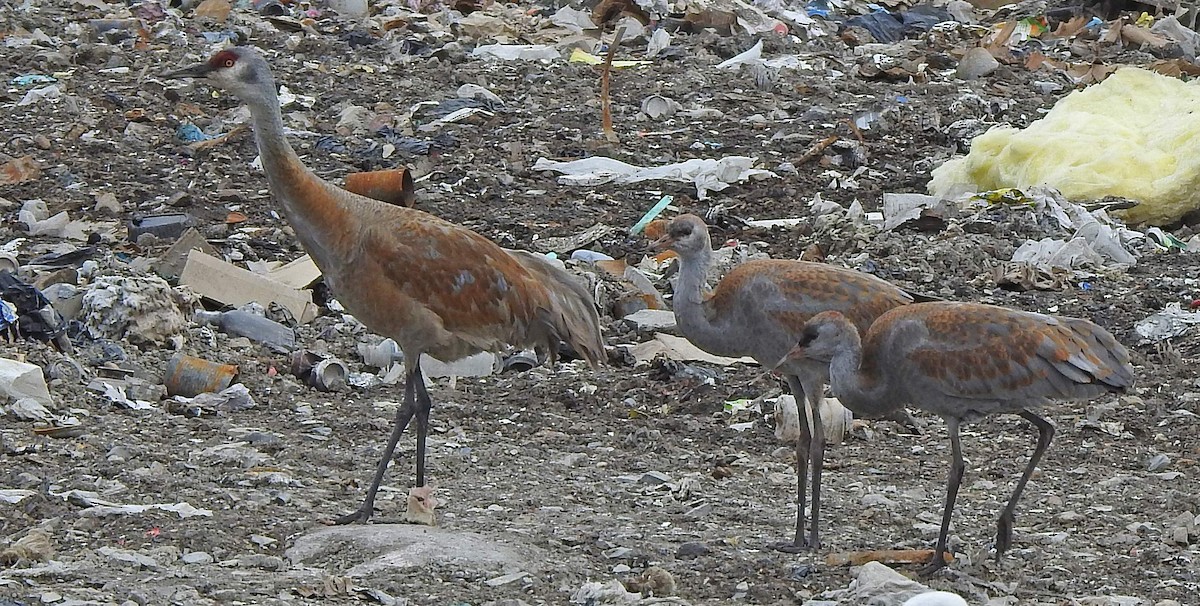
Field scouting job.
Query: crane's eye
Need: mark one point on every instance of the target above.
(229, 63)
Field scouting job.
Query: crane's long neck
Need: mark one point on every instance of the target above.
(308, 203)
(690, 313)
(859, 388)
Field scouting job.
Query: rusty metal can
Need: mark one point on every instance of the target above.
(189, 376)
(394, 186)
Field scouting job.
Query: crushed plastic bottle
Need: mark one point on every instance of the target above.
(255, 327)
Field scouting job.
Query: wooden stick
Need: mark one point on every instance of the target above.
(605, 108)
(817, 149)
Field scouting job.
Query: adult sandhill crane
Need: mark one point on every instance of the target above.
(434, 287)
(965, 361)
(758, 310)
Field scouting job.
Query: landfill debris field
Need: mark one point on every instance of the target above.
(185, 403)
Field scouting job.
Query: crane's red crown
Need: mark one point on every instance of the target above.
(222, 60)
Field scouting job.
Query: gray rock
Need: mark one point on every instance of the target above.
(977, 63)
(688, 551)
(197, 557)
(384, 547)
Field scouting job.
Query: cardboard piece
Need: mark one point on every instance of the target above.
(299, 273)
(171, 265)
(226, 283)
(679, 348)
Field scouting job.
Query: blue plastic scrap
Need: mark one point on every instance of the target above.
(27, 79)
(190, 133)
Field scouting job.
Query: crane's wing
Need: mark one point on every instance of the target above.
(792, 292)
(988, 352)
(474, 288)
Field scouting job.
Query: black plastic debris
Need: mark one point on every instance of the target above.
(66, 259)
(331, 144)
(168, 226)
(34, 318)
(419, 147)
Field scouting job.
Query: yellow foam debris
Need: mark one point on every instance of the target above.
(1134, 135)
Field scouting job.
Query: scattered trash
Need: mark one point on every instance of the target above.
(875, 583)
(25, 311)
(142, 309)
(230, 399)
(520, 52)
(231, 285)
(168, 226)
(393, 186)
(19, 170)
(679, 348)
(1141, 162)
(322, 372)
(836, 419)
(35, 546)
(254, 326)
(189, 376)
(1171, 322)
(707, 175)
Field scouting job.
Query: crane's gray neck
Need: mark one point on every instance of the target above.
(310, 205)
(277, 154)
(690, 314)
(857, 388)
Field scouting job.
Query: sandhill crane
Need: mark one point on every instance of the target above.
(434, 287)
(758, 310)
(963, 362)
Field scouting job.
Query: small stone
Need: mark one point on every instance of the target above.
(978, 62)
(654, 478)
(262, 541)
(50, 597)
(621, 569)
(699, 511)
(574, 459)
(505, 579)
(740, 590)
(264, 562)
(872, 500)
(1157, 462)
(691, 550)
(617, 552)
(197, 557)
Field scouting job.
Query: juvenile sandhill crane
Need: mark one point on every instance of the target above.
(758, 310)
(963, 362)
(434, 287)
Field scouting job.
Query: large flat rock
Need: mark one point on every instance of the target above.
(372, 548)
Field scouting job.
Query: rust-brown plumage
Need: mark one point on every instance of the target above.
(435, 287)
(759, 309)
(964, 361)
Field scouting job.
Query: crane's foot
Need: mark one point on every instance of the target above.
(1004, 533)
(359, 516)
(937, 563)
(795, 546)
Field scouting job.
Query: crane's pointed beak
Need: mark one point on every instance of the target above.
(792, 354)
(198, 70)
(662, 243)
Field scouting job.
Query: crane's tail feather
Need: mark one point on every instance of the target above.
(572, 315)
(1097, 362)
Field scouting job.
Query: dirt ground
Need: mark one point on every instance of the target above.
(553, 463)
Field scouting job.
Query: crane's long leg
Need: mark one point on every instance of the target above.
(816, 454)
(957, 467)
(404, 415)
(1004, 527)
(804, 444)
(424, 405)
